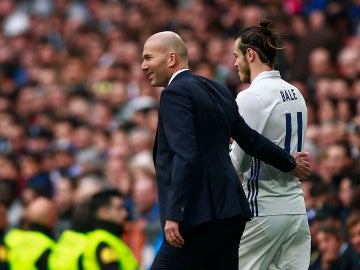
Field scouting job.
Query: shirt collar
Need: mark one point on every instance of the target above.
(267, 74)
(176, 73)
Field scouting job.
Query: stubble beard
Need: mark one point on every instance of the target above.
(245, 75)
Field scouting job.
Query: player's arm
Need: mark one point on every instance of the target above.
(265, 150)
(240, 160)
(255, 115)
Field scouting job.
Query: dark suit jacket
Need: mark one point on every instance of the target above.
(196, 179)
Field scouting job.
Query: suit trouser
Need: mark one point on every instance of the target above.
(213, 245)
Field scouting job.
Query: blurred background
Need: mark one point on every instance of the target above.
(77, 114)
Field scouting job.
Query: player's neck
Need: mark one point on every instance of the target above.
(257, 68)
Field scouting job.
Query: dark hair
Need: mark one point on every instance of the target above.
(102, 198)
(352, 220)
(262, 39)
(329, 228)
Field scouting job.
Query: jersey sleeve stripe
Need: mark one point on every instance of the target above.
(288, 132)
(299, 131)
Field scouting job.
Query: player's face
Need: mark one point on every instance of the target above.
(155, 64)
(241, 63)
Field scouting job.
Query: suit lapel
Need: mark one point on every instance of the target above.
(178, 76)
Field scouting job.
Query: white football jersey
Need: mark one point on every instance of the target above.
(277, 110)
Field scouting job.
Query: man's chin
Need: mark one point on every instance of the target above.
(153, 83)
(244, 80)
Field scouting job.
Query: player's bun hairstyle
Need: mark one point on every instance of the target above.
(261, 38)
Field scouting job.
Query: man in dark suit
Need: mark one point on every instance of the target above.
(203, 208)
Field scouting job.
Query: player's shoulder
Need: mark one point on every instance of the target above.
(259, 92)
(245, 97)
(248, 93)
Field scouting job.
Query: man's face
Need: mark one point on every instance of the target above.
(336, 159)
(346, 192)
(354, 234)
(116, 211)
(241, 63)
(328, 245)
(155, 63)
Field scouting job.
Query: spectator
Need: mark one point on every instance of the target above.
(335, 252)
(65, 163)
(37, 181)
(319, 35)
(320, 64)
(68, 251)
(348, 59)
(87, 186)
(30, 247)
(16, 137)
(105, 250)
(118, 175)
(140, 140)
(146, 213)
(38, 139)
(64, 199)
(353, 230)
(101, 117)
(337, 162)
(349, 188)
(3, 229)
(78, 107)
(86, 154)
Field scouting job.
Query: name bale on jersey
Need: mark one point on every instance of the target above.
(288, 95)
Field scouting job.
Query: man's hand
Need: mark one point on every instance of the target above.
(172, 234)
(302, 169)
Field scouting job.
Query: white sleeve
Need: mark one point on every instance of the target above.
(240, 160)
(253, 111)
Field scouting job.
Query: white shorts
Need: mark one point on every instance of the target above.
(276, 242)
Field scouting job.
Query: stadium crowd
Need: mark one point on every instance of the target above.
(78, 115)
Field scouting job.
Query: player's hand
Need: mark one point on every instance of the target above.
(172, 234)
(302, 169)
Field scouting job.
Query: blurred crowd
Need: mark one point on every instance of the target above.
(78, 115)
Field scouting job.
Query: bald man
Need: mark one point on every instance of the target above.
(203, 208)
(30, 248)
(41, 211)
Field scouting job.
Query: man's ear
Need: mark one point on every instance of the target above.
(250, 54)
(172, 59)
